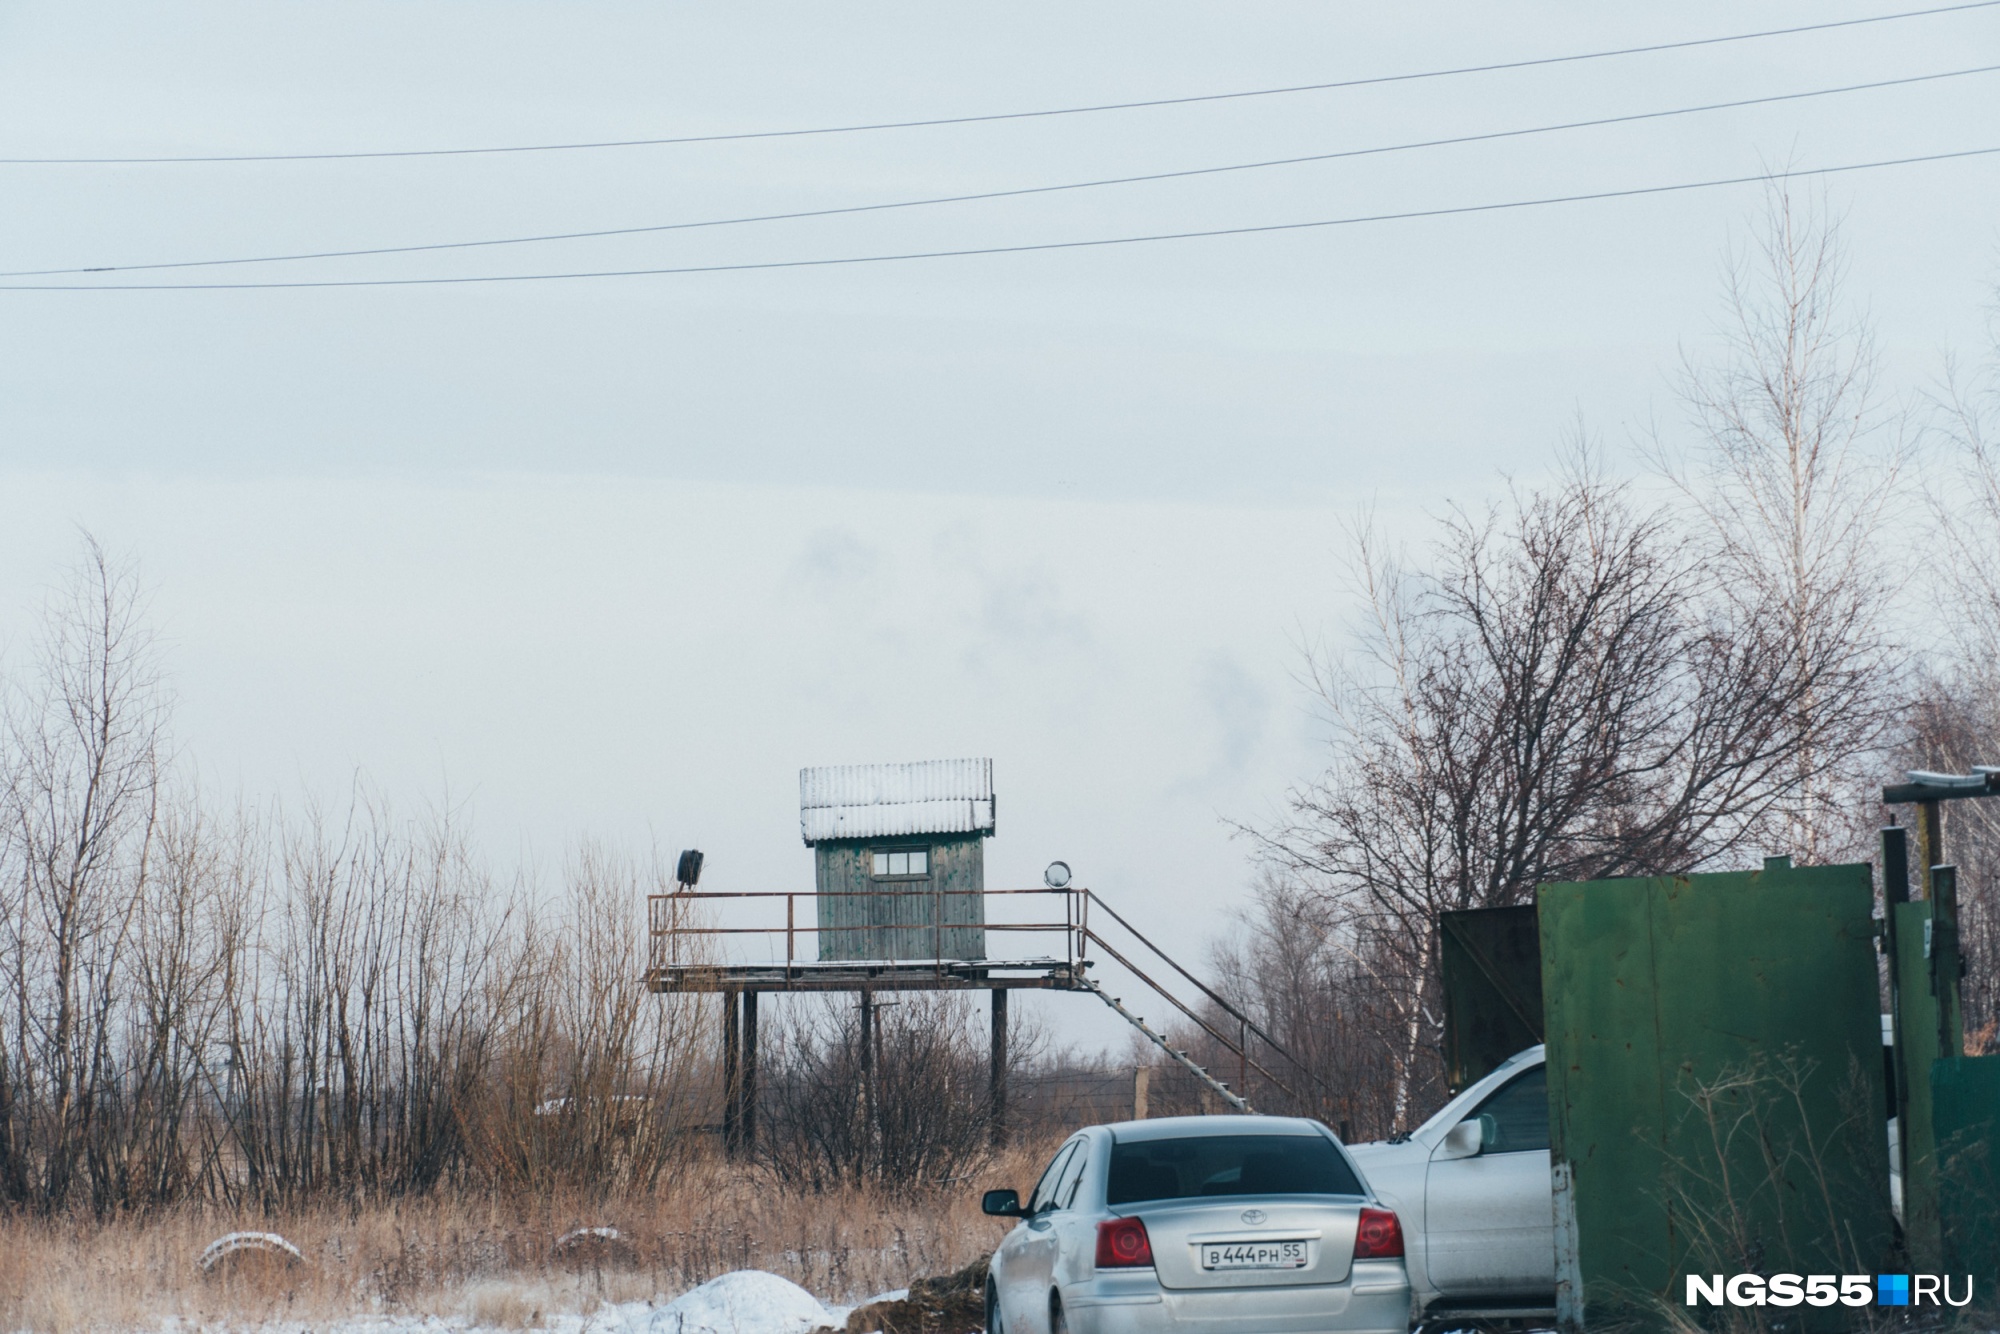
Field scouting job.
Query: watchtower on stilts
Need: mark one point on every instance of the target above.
(900, 904)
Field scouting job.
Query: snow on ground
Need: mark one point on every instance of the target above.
(746, 1301)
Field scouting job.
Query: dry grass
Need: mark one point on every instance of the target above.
(488, 1259)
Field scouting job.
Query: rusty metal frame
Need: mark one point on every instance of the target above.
(796, 974)
(1066, 972)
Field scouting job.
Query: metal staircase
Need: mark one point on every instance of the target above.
(1221, 1011)
(1221, 1089)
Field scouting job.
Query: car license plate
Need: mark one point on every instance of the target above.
(1253, 1255)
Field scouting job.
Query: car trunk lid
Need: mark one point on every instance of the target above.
(1249, 1241)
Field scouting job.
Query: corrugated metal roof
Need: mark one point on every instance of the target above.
(885, 800)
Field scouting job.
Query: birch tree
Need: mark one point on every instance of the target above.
(1792, 473)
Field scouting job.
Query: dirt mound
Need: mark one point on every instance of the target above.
(948, 1304)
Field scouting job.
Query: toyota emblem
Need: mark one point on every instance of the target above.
(1254, 1216)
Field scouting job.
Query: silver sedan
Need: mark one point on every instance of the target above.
(1259, 1224)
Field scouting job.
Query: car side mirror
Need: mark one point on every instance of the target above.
(1489, 1131)
(1463, 1140)
(1002, 1204)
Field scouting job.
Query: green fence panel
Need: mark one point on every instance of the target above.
(1715, 1084)
(1965, 1110)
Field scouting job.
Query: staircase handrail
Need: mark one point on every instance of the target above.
(1205, 990)
(1181, 1005)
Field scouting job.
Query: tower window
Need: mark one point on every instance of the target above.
(912, 861)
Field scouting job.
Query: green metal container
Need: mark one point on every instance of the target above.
(1491, 961)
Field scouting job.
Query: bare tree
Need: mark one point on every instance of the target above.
(84, 743)
(1965, 520)
(1794, 471)
(1564, 691)
(189, 938)
(1956, 720)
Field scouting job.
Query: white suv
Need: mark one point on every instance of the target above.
(1472, 1188)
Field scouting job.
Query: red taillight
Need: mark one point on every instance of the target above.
(1122, 1244)
(1380, 1236)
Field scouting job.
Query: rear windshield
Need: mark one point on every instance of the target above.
(1206, 1165)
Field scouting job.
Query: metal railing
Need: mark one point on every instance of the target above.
(668, 926)
(666, 916)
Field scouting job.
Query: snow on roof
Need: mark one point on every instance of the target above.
(886, 800)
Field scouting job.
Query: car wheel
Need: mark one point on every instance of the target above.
(1058, 1322)
(992, 1309)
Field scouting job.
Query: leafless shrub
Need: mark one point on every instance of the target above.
(589, 1079)
(1763, 1191)
(359, 1025)
(918, 1121)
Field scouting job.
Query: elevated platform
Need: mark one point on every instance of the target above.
(1044, 974)
(680, 925)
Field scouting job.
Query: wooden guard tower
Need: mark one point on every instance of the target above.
(899, 858)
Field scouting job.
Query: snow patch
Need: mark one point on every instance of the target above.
(747, 1301)
(839, 1313)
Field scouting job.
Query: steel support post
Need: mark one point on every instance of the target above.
(997, 1074)
(747, 1116)
(732, 1090)
(868, 1064)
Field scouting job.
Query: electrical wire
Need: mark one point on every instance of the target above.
(1372, 81)
(797, 215)
(1025, 248)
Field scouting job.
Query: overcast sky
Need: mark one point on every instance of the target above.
(619, 556)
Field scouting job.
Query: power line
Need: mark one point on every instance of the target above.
(1020, 249)
(930, 122)
(801, 214)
